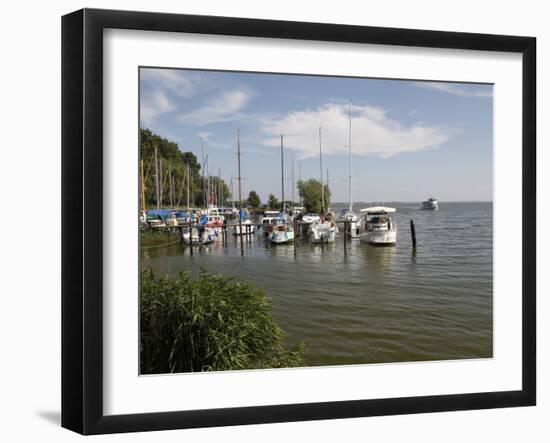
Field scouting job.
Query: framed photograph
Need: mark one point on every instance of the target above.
(269, 221)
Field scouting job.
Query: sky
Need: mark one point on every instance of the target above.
(410, 139)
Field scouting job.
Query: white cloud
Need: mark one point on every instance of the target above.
(206, 137)
(153, 104)
(180, 82)
(464, 91)
(373, 132)
(223, 108)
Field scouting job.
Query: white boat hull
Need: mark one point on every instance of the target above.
(351, 228)
(322, 232)
(280, 237)
(248, 228)
(380, 238)
(196, 238)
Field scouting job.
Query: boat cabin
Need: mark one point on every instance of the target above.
(378, 218)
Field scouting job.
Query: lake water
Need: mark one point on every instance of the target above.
(370, 304)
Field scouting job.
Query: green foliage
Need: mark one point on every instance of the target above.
(253, 200)
(310, 191)
(172, 160)
(212, 323)
(272, 202)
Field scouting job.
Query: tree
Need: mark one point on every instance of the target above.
(272, 202)
(253, 200)
(310, 192)
(175, 165)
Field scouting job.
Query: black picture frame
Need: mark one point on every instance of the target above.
(82, 215)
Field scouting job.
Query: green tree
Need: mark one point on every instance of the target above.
(176, 164)
(212, 323)
(272, 202)
(253, 200)
(310, 192)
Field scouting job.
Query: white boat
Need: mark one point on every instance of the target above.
(214, 223)
(351, 220)
(380, 229)
(269, 218)
(171, 220)
(322, 229)
(157, 223)
(322, 232)
(247, 227)
(199, 235)
(280, 233)
(311, 218)
(430, 204)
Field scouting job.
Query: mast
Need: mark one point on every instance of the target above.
(350, 196)
(142, 188)
(205, 181)
(220, 191)
(161, 183)
(240, 197)
(171, 187)
(282, 176)
(300, 180)
(202, 174)
(328, 186)
(188, 183)
(293, 186)
(232, 191)
(321, 165)
(157, 178)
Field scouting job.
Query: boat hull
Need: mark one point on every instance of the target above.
(322, 233)
(281, 237)
(248, 228)
(380, 238)
(199, 238)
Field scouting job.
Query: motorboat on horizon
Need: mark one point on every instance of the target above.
(430, 204)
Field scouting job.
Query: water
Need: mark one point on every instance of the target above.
(372, 304)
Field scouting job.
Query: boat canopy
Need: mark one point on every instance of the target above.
(158, 214)
(378, 210)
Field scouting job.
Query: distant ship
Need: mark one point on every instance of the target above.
(430, 204)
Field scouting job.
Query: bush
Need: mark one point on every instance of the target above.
(212, 323)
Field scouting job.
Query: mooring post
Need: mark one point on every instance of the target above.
(413, 234)
(190, 238)
(346, 235)
(295, 237)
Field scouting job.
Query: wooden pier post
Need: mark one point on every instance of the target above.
(190, 238)
(346, 235)
(295, 236)
(413, 235)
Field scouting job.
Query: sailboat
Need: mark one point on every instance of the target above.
(350, 219)
(281, 231)
(323, 231)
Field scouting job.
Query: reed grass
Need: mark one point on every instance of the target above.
(158, 237)
(211, 323)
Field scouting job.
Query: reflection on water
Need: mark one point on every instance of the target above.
(363, 303)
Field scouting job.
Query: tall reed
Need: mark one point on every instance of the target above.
(211, 323)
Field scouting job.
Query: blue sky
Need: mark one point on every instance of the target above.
(410, 139)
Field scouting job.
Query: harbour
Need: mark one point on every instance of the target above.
(350, 302)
